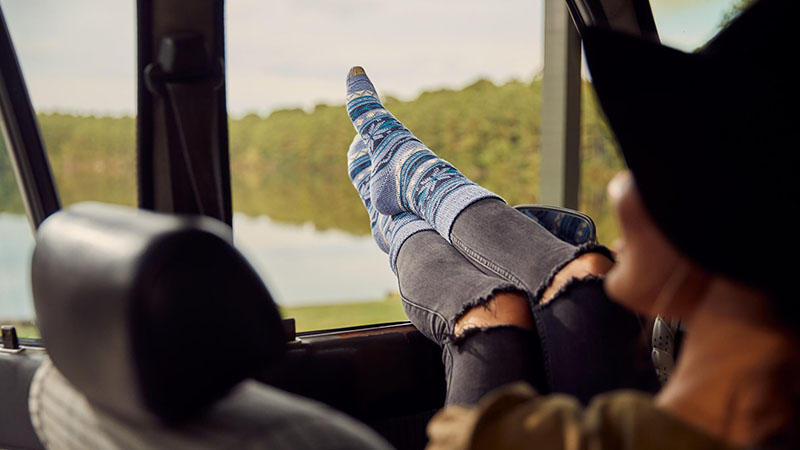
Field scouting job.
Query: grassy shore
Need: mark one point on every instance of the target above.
(321, 317)
(25, 329)
(308, 318)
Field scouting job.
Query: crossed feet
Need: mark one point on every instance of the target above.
(402, 184)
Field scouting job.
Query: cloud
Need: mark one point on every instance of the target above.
(408, 46)
(80, 55)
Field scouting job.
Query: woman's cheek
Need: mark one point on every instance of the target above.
(629, 282)
(635, 279)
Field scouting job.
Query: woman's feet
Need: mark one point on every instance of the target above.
(389, 232)
(404, 185)
(406, 175)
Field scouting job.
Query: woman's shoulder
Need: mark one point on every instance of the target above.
(515, 416)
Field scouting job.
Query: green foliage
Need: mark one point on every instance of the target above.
(10, 199)
(600, 161)
(291, 165)
(92, 158)
(321, 317)
(736, 8)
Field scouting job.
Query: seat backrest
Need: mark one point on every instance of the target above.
(252, 416)
(150, 316)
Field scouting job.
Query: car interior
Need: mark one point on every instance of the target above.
(152, 315)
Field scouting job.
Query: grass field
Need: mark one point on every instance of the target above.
(308, 318)
(321, 317)
(24, 329)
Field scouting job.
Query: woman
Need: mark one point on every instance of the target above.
(705, 137)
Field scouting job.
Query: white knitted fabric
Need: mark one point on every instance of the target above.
(252, 416)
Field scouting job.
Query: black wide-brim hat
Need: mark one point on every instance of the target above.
(711, 139)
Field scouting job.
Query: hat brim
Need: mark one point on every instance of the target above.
(677, 118)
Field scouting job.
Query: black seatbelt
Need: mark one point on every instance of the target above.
(185, 78)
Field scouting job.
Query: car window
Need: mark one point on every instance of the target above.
(462, 75)
(79, 62)
(16, 248)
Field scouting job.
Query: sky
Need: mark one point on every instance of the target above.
(79, 55)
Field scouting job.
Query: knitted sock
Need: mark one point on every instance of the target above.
(406, 175)
(389, 232)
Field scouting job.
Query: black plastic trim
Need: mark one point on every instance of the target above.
(31, 342)
(163, 185)
(647, 23)
(222, 115)
(356, 328)
(144, 116)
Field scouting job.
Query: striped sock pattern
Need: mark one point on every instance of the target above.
(406, 175)
(389, 232)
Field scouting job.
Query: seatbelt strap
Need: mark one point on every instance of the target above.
(187, 82)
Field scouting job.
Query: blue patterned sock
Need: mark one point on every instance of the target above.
(406, 175)
(389, 232)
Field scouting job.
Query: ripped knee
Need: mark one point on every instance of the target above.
(506, 308)
(585, 265)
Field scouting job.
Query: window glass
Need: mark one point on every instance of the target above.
(79, 62)
(78, 59)
(462, 75)
(16, 248)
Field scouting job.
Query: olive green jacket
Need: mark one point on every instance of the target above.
(515, 416)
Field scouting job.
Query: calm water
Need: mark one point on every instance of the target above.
(16, 247)
(300, 266)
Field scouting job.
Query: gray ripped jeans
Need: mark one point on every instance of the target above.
(582, 343)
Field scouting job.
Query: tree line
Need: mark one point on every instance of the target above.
(291, 164)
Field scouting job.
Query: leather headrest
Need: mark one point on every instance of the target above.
(150, 315)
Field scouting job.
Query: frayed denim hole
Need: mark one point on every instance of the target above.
(482, 301)
(472, 331)
(579, 251)
(572, 283)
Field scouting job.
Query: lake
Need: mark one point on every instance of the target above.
(299, 265)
